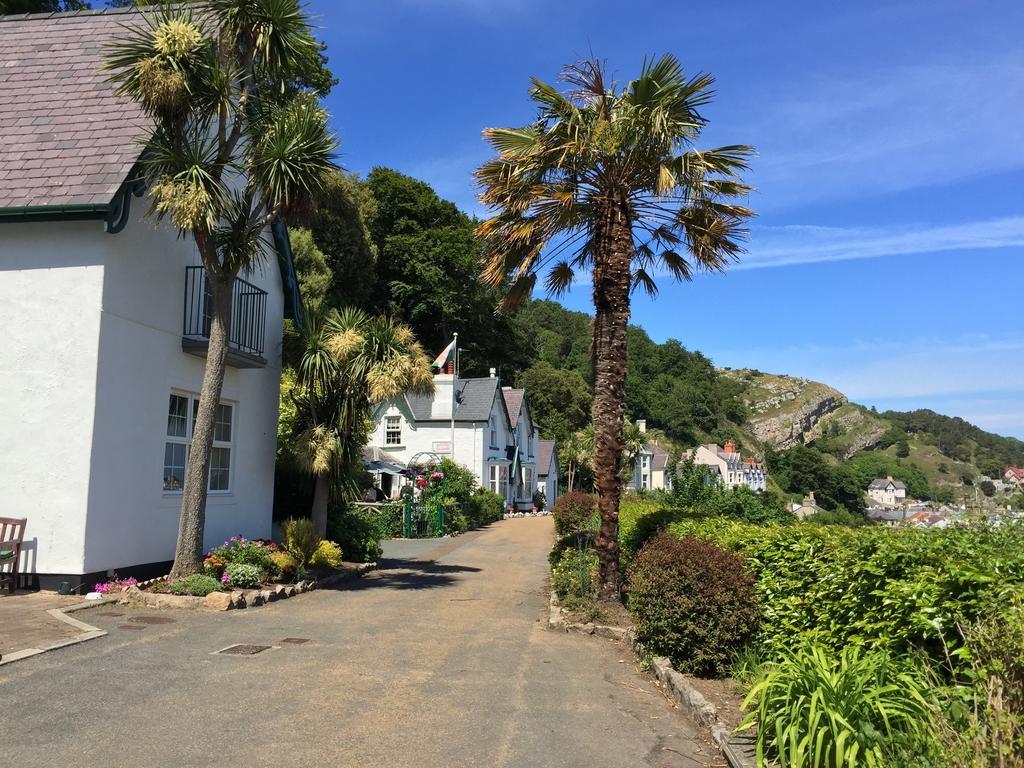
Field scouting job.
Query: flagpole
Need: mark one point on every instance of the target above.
(455, 383)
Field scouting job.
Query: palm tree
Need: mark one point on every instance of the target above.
(238, 140)
(634, 440)
(608, 180)
(350, 362)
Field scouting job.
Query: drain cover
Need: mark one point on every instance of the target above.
(132, 626)
(242, 649)
(151, 620)
(296, 640)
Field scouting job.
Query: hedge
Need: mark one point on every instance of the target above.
(898, 589)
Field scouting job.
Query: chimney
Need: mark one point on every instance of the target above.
(809, 500)
(641, 424)
(730, 446)
(441, 407)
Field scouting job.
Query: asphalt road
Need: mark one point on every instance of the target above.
(439, 659)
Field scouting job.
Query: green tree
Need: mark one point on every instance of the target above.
(612, 178)
(225, 91)
(902, 449)
(351, 362)
(987, 487)
(311, 268)
(559, 400)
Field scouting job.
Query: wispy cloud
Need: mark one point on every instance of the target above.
(888, 130)
(805, 244)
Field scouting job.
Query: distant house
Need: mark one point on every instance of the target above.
(106, 324)
(651, 470)
(485, 427)
(885, 515)
(733, 470)
(807, 508)
(547, 471)
(1014, 476)
(927, 519)
(887, 491)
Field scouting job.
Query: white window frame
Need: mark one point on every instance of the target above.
(389, 431)
(192, 402)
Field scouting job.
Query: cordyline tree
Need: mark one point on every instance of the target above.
(351, 361)
(238, 140)
(608, 180)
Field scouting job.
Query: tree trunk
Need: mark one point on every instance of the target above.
(188, 554)
(613, 248)
(321, 493)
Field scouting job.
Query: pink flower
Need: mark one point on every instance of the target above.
(225, 578)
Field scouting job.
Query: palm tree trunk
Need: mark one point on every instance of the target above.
(613, 241)
(188, 553)
(321, 493)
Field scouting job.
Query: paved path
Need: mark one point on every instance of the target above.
(439, 661)
(25, 623)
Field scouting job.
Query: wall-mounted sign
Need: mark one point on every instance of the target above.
(442, 446)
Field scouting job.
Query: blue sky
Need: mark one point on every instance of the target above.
(887, 256)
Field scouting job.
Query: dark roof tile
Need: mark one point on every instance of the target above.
(65, 136)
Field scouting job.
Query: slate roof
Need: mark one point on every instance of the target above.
(883, 483)
(544, 450)
(513, 403)
(473, 400)
(65, 137)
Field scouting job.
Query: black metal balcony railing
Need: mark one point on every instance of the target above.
(248, 313)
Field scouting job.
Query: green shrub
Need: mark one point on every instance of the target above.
(483, 507)
(244, 576)
(814, 709)
(327, 555)
(355, 531)
(198, 585)
(897, 589)
(693, 602)
(540, 501)
(580, 540)
(284, 564)
(574, 578)
(385, 520)
(573, 512)
(300, 538)
(239, 549)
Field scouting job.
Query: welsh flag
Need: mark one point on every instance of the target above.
(446, 356)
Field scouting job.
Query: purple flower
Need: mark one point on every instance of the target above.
(225, 578)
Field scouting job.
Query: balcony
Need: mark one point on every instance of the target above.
(248, 320)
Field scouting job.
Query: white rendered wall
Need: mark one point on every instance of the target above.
(51, 282)
(108, 413)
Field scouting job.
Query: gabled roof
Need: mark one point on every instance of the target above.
(513, 403)
(545, 450)
(882, 483)
(659, 456)
(66, 139)
(473, 401)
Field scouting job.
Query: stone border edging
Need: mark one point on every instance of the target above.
(88, 631)
(737, 750)
(248, 598)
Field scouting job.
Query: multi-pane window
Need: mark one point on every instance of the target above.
(393, 430)
(498, 480)
(181, 417)
(494, 438)
(528, 481)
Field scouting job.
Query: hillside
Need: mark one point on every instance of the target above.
(950, 453)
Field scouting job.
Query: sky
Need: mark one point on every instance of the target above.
(888, 253)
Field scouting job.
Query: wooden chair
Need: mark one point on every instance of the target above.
(12, 534)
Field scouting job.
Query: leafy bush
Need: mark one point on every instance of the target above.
(243, 575)
(356, 532)
(540, 501)
(284, 564)
(483, 507)
(574, 578)
(581, 540)
(385, 520)
(813, 709)
(896, 589)
(573, 512)
(327, 555)
(693, 602)
(198, 585)
(300, 538)
(239, 549)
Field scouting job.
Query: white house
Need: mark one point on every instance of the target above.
(732, 469)
(887, 491)
(490, 432)
(650, 472)
(104, 317)
(548, 471)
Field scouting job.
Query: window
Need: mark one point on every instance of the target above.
(393, 430)
(498, 480)
(528, 481)
(181, 416)
(494, 438)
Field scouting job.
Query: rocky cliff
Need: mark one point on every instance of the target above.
(786, 411)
